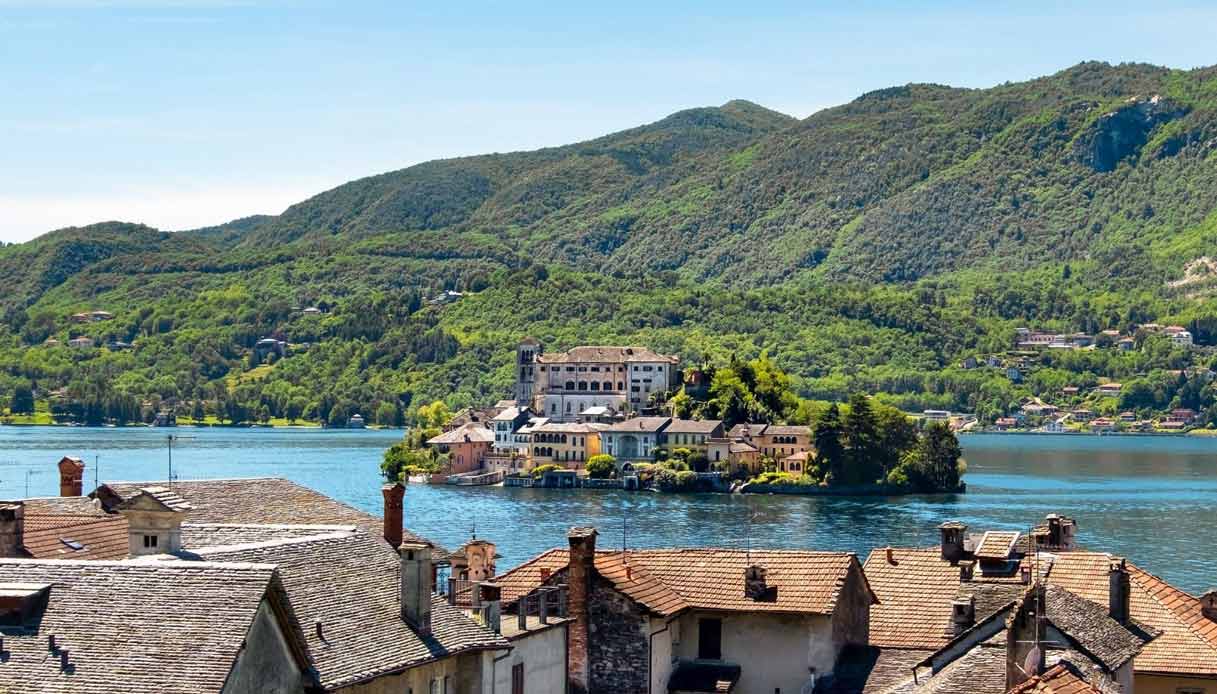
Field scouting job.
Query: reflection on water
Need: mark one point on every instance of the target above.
(1153, 499)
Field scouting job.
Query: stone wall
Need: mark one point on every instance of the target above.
(265, 665)
(851, 618)
(619, 653)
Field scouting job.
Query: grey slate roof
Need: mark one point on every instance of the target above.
(202, 535)
(134, 628)
(1092, 631)
(349, 581)
(273, 500)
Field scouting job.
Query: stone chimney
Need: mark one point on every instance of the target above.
(1118, 589)
(416, 585)
(71, 477)
(963, 615)
(1208, 605)
(953, 533)
(12, 529)
(755, 585)
(394, 495)
(579, 575)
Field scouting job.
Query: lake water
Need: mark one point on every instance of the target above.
(1152, 499)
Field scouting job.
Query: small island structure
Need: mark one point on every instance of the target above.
(631, 418)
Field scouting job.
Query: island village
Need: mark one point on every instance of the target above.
(264, 585)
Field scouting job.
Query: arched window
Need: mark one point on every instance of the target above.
(570, 385)
(564, 438)
(608, 385)
(582, 385)
(595, 385)
(620, 385)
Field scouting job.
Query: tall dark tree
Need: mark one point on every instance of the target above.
(23, 400)
(862, 434)
(830, 451)
(939, 452)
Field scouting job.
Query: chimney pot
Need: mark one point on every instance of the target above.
(71, 476)
(953, 533)
(416, 577)
(1118, 590)
(966, 571)
(1208, 605)
(394, 495)
(891, 555)
(12, 529)
(320, 632)
(963, 614)
(63, 659)
(50, 642)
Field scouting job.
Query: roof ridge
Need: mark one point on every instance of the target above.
(157, 562)
(1136, 573)
(200, 479)
(277, 542)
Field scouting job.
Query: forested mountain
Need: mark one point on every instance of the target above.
(867, 247)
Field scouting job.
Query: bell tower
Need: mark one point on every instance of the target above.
(526, 370)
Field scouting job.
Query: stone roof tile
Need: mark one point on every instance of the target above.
(181, 626)
(260, 500)
(350, 583)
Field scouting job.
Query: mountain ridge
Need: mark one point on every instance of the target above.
(868, 246)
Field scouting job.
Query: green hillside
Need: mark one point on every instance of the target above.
(871, 247)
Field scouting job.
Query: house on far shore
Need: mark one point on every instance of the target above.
(81, 342)
(1110, 389)
(466, 446)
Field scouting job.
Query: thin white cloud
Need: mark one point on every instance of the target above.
(24, 217)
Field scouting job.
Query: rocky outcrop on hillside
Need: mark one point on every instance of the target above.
(1120, 134)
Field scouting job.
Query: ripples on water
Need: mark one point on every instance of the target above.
(1153, 499)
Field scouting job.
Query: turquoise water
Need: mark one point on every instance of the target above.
(1153, 499)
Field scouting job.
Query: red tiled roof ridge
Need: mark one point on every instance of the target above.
(1187, 619)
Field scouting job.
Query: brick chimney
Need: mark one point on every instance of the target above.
(1118, 588)
(394, 494)
(12, 529)
(71, 477)
(579, 575)
(416, 585)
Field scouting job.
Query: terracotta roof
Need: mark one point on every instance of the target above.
(667, 581)
(787, 430)
(1062, 678)
(164, 627)
(1188, 642)
(741, 447)
(471, 432)
(527, 577)
(349, 582)
(915, 596)
(76, 537)
(693, 426)
(600, 354)
(264, 500)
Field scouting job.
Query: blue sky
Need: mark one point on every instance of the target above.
(185, 113)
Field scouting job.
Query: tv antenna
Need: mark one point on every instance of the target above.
(28, 475)
(169, 440)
